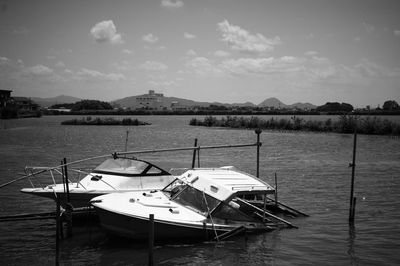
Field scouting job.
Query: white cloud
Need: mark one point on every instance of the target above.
(127, 51)
(39, 70)
(191, 53)
(220, 53)
(121, 66)
(150, 38)
(59, 64)
(172, 3)
(189, 36)
(153, 66)
(202, 66)
(396, 33)
(311, 53)
(106, 31)
(368, 27)
(90, 74)
(263, 66)
(241, 40)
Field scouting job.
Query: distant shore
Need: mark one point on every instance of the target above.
(213, 112)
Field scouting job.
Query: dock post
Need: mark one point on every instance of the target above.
(353, 168)
(276, 190)
(126, 141)
(66, 177)
(258, 132)
(58, 230)
(151, 239)
(68, 205)
(194, 153)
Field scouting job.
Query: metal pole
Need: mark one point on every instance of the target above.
(276, 190)
(151, 239)
(353, 169)
(258, 132)
(194, 153)
(57, 230)
(68, 206)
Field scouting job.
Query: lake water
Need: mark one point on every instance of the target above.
(313, 176)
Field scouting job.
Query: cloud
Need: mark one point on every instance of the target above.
(38, 70)
(172, 3)
(311, 53)
(202, 66)
(263, 66)
(21, 31)
(220, 53)
(191, 53)
(106, 31)
(150, 38)
(90, 74)
(153, 66)
(368, 27)
(241, 40)
(59, 64)
(127, 51)
(189, 36)
(396, 33)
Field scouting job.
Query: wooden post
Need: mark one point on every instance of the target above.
(58, 230)
(258, 132)
(66, 178)
(353, 169)
(126, 141)
(151, 239)
(194, 153)
(276, 190)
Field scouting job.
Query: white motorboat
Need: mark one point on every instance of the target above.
(113, 175)
(201, 204)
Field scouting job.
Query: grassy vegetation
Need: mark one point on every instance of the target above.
(104, 122)
(344, 124)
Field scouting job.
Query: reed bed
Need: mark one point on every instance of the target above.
(344, 124)
(109, 121)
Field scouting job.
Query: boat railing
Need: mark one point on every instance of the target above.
(32, 172)
(196, 149)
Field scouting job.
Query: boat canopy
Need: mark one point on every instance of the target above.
(225, 183)
(128, 167)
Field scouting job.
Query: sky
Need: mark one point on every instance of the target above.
(230, 51)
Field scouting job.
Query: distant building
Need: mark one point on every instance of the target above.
(176, 106)
(25, 104)
(5, 98)
(152, 101)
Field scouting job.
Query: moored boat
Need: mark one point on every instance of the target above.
(203, 203)
(111, 176)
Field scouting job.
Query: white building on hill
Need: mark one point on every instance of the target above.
(150, 101)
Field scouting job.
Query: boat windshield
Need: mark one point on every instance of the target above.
(190, 197)
(123, 166)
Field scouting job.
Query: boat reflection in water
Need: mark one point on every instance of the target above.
(203, 203)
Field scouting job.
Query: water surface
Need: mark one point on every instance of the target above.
(313, 175)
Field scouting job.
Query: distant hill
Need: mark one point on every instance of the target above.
(130, 102)
(47, 102)
(274, 102)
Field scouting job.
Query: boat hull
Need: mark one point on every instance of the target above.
(137, 228)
